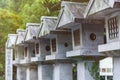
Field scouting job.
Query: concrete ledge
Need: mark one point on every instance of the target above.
(109, 47)
(83, 52)
(56, 57)
(25, 61)
(36, 59)
(15, 62)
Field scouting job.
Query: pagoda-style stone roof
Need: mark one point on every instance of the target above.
(101, 8)
(48, 24)
(11, 40)
(32, 30)
(20, 36)
(70, 13)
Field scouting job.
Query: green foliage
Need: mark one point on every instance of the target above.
(32, 13)
(2, 4)
(95, 70)
(9, 22)
(74, 70)
(32, 10)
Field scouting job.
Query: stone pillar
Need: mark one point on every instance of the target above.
(45, 72)
(83, 70)
(116, 68)
(62, 71)
(8, 64)
(106, 78)
(32, 73)
(21, 73)
(20, 52)
(28, 73)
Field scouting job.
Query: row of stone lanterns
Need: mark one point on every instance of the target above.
(47, 51)
(109, 11)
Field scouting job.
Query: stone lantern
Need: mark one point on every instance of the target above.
(60, 42)
(18, 46)
(109, 10)
(40, 48)
(31, 33)
(30, 42)
(19, 55)
(87, 34)
(9, 56)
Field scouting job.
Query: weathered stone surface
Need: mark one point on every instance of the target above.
(9, 56)
(116, 69)
(69, 12)
(113, 37)
(87, 45)
(62, 71)
(32, 31)
(20, 36)
(21, 73)
(83, 70)
(100, 8)
(8, 64)
(45, 72)
(32, 72)
(11, 40)
(48, 24)
(63, 44)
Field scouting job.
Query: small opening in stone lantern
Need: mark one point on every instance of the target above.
(15, 54)
(33, 53)
(93, 36)
(25, 52)
(37, 48)
(66, 44)
(105, 36)
(47, 48)
(15, 72)
(54, 45)
(113, 28)
(76, 35)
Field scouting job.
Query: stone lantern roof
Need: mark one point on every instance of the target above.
(32, 30)
(48, 25)
(101, 8)
(11, 40)
(70, 13)
(20, 36)
(49, 28)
